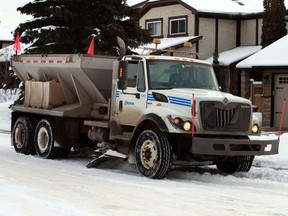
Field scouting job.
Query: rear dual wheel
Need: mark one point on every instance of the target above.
(44, 140)
(22, 136)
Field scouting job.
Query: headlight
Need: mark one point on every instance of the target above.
(255, 129)
(187, 126)
(179, 123)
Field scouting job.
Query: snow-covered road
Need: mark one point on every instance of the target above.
(31, 186)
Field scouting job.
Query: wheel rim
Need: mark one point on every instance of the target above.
(148, 154)
(42, 139)
(19, 136)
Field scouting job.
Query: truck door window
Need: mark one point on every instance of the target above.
(140, 78)
(136, 75)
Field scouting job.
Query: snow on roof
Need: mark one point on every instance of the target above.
(273, 55)
(6, 33)
(237, 7)
(233, 7)
(234, 55)
(165, 44)
(134, 2)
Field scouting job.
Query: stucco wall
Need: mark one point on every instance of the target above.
(226, 35)
(207, 44)
(260, 23)
(165, 13)
(248, 32)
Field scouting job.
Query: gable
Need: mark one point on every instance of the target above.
(158, 4)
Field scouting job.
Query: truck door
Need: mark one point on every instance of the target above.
(131, 103)
(280, 93)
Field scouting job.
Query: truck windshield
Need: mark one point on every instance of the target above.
(169, 74)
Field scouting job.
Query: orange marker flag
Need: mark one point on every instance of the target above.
(91, 47)
(17, 46)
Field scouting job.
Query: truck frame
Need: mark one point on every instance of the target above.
(156, 111)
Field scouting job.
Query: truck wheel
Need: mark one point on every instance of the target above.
(22, 136)
(236, 164)
(44, 140)
(153, 154)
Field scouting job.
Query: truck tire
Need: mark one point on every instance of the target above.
(44, 140)
(235, 164)
(153, 154)
(22, 136)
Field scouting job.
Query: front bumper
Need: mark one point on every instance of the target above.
(233, 147)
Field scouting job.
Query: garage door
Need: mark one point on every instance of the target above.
(281, 93)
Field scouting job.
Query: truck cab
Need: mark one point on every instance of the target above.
(178, 99)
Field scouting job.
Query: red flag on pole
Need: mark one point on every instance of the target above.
(91, 47)
(17, 46)
(281, 117)
(193, 114)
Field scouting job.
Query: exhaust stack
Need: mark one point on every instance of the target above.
(122, 47)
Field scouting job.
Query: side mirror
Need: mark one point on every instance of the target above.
(122, 75)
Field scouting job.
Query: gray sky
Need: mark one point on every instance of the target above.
(9, 16)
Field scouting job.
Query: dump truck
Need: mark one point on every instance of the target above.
(157, 112)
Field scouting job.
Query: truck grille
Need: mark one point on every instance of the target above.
(224, 117)
(234, 117)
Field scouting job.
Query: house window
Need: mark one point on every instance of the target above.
(154, 27)
(178, 26)
(283, 80)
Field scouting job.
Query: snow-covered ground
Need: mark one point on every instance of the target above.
(30, 186)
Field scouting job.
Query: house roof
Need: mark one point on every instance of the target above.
(273, 56)
(235, 55)
(166, 43)
(228, 7)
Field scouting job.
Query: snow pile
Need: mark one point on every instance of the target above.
(7, 52)
(8, 95)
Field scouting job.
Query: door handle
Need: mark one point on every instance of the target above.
(120, 105)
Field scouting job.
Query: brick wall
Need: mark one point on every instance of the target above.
(266, 112)
(245, 84)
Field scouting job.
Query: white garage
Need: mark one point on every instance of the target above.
(272, 63)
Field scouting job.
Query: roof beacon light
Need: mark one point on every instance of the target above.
(188, 44)
(156, 41)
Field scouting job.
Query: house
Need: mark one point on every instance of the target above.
(215, 26)
(224, 24)
(271, 64)
(6, 39)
